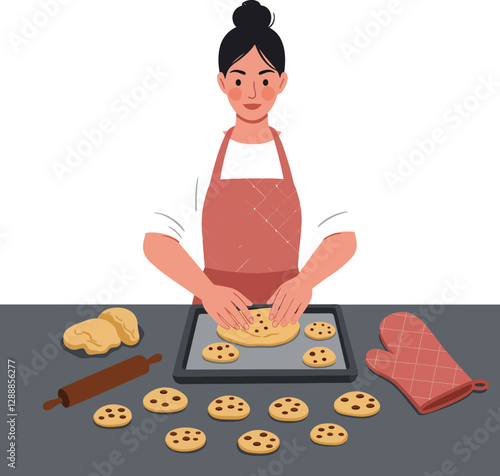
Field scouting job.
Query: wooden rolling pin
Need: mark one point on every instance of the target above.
(102, 381)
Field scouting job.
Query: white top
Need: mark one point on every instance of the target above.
(251, 161)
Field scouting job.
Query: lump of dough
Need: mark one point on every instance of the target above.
(125, 323)
(94, 336)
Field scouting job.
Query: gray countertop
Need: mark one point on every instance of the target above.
(461, 439)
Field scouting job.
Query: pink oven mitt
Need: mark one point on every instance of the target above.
(418, 365)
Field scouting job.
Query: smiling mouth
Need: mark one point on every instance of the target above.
(252, 106)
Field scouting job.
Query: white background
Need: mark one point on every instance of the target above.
(345, 122)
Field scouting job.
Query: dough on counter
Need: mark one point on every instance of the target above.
(125, 324)
(288, 409)
(358, 404)
(185, 439)
(229, 407)
(258, 442)
(112, 416)
(95, 336)
(329, 434)
(261, 332)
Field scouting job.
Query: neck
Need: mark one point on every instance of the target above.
(252, 132)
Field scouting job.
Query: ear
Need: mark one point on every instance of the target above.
(221, 80)
(282, 82)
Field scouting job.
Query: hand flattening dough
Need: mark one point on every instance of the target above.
(261, 332)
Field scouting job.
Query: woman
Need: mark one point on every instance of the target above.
(251, 224)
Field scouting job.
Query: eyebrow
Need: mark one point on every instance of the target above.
(237, 71)
(266, 71)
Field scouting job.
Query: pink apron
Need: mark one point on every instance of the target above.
(251, 230)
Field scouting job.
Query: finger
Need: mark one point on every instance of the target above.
(243, 298)
(299, 312)
(225, 314)
(289, 313)
(222, 322)
(240, 304)
(285, 302)
(276, 305)
(273, 297)
(231, 308)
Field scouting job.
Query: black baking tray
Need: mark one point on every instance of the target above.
(223, 373)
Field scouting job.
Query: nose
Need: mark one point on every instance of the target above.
(254, 92)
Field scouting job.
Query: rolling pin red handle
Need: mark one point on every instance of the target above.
(52, 403)
(154, 359)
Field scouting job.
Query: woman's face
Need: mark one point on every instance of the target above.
(252, 86)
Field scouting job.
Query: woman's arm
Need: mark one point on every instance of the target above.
(222, 303)
(292, 297)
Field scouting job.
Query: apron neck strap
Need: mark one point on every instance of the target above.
(285, 168)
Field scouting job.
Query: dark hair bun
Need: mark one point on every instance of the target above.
(252, 16)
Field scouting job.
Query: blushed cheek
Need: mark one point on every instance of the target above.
(268, 93)
(235, 94)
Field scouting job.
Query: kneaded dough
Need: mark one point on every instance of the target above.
(261, 332)
(95, 336)
(125, 323)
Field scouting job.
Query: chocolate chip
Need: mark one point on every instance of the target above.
(371, 399)
(151, 401)
(227, 346)
(370, 405)
(294, 409)
(121, 409)
(176, 398)
(323, 359)
(297, 404)
(219, 356)
(355, 407)
(218, 409)
(111, 415)
(230, 406)
(319, 436)
(219, 347)
(262, 322)
(176, 441)
(285, 413)
(323, 325)
(109, 410)
(315, 361)
(240, 409)
(210, 348)
(123, 416)
(329, 332)
(101, 418)
(312, 354)
(256, 443)
(163, 392)
(360, 395)
(248, 437)
(263, 434)
(256, 330)
(288, 399)
(320, 333)
(330, 434)
(198, 432)
(321, 429)
(273, 439)
(331, 427)
(186, 438)
(341, 434)
(345, 399)
(164, 404)
(173, 433)
(195, 439)
(187, 432)
(231, 398)
(278, 405)
(314, 323)
(269, 446)
(322, 350)
(241, 403)
(258, 315)
(231, 355)
(218, 401)
(266, 328)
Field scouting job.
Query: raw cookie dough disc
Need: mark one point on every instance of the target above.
(319, 330)
(185, 439)
(319, 357)
(165, 400)
(220, 352)
(229, 407)
(358, 404)
(258, 442)
(288, 409)
(112, 416)
(261, 332)
(329, 434)
(95, 336)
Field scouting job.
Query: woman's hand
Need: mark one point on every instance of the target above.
(290, 301)
(224, 304)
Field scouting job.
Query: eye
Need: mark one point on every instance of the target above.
(266, 82)
(238, 82)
